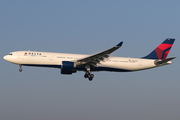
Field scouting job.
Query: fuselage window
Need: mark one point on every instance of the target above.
(10, 53)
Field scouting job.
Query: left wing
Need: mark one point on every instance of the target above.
(96, 58)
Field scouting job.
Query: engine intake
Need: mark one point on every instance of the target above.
(67, 67)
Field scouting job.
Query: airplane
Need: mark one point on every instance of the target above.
(102, 61)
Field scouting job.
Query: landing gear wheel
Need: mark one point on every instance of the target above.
(20, 70)
(91, 77)
(85, 76)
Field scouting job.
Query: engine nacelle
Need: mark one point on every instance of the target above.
(67, 72)
(67, 67)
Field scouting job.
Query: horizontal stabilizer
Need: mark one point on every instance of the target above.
(160, 62)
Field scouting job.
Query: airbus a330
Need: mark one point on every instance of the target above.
(102, 61)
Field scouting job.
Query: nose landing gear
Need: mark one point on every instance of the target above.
(20, 68)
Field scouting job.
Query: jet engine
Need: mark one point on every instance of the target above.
(67, 67)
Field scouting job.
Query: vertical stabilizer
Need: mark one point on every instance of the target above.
(162, 50)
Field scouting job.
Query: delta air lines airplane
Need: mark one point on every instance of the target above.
(71, 63)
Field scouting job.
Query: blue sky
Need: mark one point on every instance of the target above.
(88, 27)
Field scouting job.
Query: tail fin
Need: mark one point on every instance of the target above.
(162, 50)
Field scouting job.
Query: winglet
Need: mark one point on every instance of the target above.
(120, 44)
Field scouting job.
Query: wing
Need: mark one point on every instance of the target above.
(96, 58)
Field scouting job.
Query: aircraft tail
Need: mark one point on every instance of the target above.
(162, 50)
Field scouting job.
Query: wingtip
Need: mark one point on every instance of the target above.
(120, 44)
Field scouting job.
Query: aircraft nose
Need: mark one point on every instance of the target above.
(5, 57)
(9, 58)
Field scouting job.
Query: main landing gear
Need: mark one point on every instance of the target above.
(89, 75)
(20, 68)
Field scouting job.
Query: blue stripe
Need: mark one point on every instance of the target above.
(109, 69)
(152, 55)
(164, 52)
(82, 68)
(34, 65)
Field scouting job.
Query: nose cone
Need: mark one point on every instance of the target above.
(5, 57)
(10, 58)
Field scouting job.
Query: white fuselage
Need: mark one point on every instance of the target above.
(48, 59)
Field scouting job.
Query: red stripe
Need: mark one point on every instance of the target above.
(158, 53)
(166, 53)
(164, 46)
(159, 50)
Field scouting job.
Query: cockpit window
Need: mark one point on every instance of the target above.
(10, 54)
